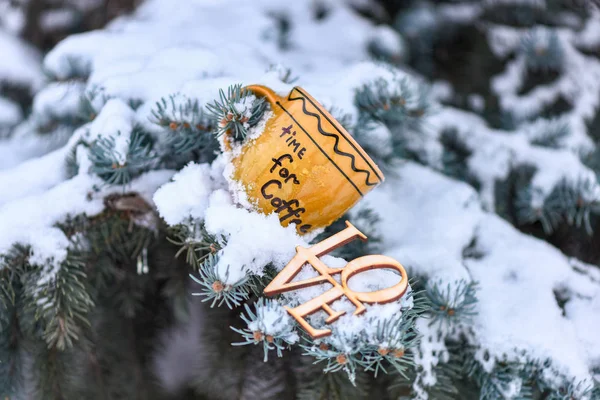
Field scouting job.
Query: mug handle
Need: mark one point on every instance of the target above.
(263, 91)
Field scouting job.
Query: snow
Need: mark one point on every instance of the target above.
(417, 20)
(460, 13)
(54, 20)
(40, 195)
(495, 152)
(275, 321)
(533, 3)
(590, 34)
(11, 17)
(186, 196)
(476, 102)
(517, 275)
(432, 352)
(57, 100)
(31, 219)
(20, 63)
(253, 239)
(584, 312)
(32, 177)
(502, 273)
(116, 120)
(390, 42)
(579, 85)
(169, 47)
(410, 240)
(10, 114)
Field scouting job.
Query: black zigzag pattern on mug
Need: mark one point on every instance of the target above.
(337, 140)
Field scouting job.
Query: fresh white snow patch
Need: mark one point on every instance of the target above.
(186, 196)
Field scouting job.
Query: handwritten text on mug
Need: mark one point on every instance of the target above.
(286, 208)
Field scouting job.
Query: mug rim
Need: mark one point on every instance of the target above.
(345, 134)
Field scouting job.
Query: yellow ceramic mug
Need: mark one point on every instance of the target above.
(304, 166)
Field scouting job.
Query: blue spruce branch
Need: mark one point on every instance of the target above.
(268, 324)
(543, 51)
(236, 111)
(187, 127)
(120, 169)
(214, 287)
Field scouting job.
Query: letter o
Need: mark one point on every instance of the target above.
(365, 263)
(284, 172)
(276, 202)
